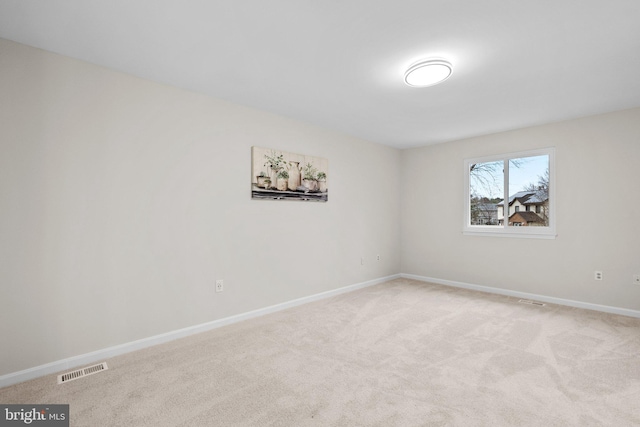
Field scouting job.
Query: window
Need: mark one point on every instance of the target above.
(511, 195)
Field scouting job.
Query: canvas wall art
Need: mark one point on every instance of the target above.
(280, 175)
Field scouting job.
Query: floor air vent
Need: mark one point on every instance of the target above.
(79, 373)
(528, 301)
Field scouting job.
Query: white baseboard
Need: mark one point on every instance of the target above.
(543, 298)
(99, 355)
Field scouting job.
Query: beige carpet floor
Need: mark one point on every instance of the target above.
(403, 353)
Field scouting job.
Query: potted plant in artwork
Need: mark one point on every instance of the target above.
(267, 183)
(261, 178)
(276, 163)
(282, 180)
(322, 181)
(309, 179)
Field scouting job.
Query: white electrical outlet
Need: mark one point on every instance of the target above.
(361, 260)
(219, 285)
(378, 257)
(597, 275)
(636, 279)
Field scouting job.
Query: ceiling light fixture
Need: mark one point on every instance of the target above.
(428, 72)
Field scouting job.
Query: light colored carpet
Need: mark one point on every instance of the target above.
(403, 353)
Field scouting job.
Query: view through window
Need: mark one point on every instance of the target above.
(525, 203)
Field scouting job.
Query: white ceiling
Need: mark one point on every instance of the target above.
(340, 64)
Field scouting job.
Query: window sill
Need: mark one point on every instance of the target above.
(495, 233)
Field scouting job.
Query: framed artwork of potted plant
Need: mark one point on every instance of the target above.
(281, 175)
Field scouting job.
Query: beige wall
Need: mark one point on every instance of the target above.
(122, 200)
(598, 206)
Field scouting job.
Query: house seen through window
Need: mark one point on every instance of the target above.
(510, 191)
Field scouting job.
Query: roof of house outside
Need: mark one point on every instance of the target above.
(527, 198)
(527, 216)
(486, 206)
(538, 197)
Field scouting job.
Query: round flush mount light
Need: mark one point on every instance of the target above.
(428, 72)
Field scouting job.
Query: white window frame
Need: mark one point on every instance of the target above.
(505, 230)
